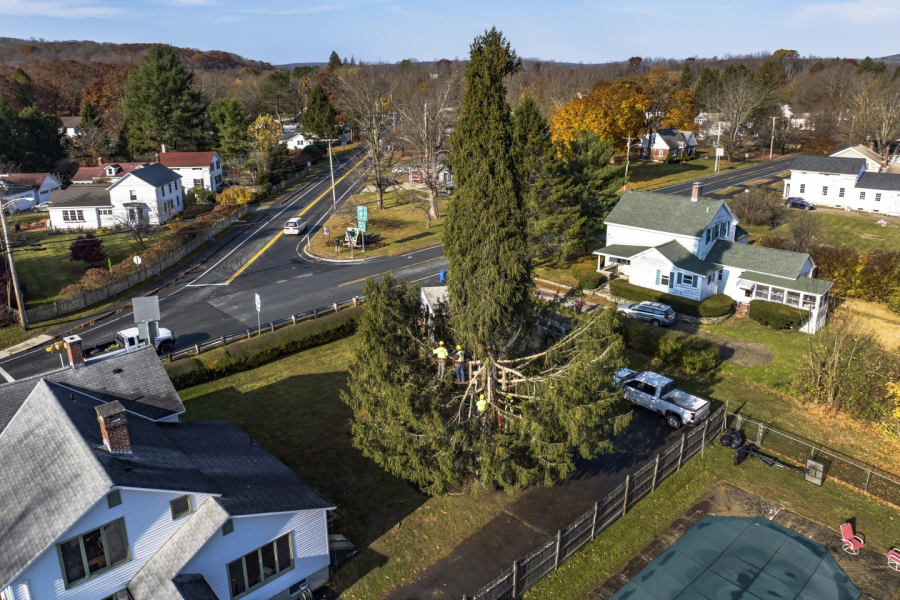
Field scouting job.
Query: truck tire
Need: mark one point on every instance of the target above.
(673, 421)
(165, 348)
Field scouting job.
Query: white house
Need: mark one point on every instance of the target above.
(106, 172)
(16, 196)
(44, 184)
(295, 140)
(687, 247)
(666, 143)
(149, 195)
(875, 163)
(196, 169)
(845, 183)
(107, 495)
(70, 125)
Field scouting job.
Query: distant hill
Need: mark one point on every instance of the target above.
(893, 59)
(302, 64)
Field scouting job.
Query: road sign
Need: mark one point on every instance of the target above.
(720, 151)
(325, 232)
(145, 309)
(362, 226)
(362, 213)
(258, 303)
(137, 260)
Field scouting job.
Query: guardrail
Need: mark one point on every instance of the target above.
(269, 327)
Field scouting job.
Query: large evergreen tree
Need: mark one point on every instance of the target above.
(334, 61)
(519, 417)
(21, 88)
(279, 164)
(319, 119)
(38, 141)
(89, 116)
(161, 106)
(230, 123)
(531, 137)
(278, 94)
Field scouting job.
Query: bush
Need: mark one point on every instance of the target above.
(893, 301)
(758, 207)
(777, 316)
(254, 352)
(235, 196)
(586, 274)
(198, 196)
(670, 346)
(714, 306)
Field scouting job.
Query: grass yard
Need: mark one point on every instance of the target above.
(878, 320)
(758, 182)
(560, 271)
(399, 227)
(859, 230)
(726, 191)
(649, 176)
(44, 266)
(831, 505)
(292, 406)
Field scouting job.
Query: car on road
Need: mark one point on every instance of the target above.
(659, 393)
(799, 203)
(656, 313)
(45, 207)
(294, 227)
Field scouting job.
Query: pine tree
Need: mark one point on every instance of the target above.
(595, 181)
(230, 122)
(89, 117)
(334, 61)
(21, 88)
(160, 105)
(278, 96)
(687, 77)
(319, 119)
(279, 165)
(531, 136)
(555, 224)
(39, 143)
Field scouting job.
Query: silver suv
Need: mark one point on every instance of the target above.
(651, 312)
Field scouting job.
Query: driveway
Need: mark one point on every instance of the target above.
(734, 350)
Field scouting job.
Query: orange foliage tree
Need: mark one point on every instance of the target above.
(612, 112)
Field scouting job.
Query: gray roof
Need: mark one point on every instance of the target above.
(740, 233)
(70, 122)
(194, 587)
(679, 256)
(621, 250)
(879, 181)
(81, 196)
(156, 175)
(801, 284)
(13, 187)
(782, 263)
(674, 138)
(828, 164)
(664, 212)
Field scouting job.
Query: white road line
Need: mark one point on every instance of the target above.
(421, 250)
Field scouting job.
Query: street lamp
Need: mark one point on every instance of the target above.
(12, 263)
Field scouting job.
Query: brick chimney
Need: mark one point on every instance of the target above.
(99, 161)
(76, 354)
(114, 427)
(696, 191)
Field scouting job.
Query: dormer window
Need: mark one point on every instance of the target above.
(110, 171)
(133, 195)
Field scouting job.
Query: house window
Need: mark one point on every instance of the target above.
(198, 183)
(841, 193)
(824, 190)
(688, 280)
(877, 197)
(132, 194)
(809, 302)
(708, 235)
(114, 498)
(720, 274)
(259, 567)
(802, 188)
(170, 188)
(777, 295)
(73, 216)
(664, 279)
(105, 212)
(793, 298)
(862, 195)
(228, 527)
(762, 292)
(181, 507)
(93, 553)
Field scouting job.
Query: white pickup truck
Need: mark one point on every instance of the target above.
(659, 394)
(127, 340)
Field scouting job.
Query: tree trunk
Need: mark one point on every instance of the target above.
(379, 192)
(433, 211)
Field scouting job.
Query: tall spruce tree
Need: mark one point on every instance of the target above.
(89, 117)
(319, 119)
(230, 122)
(522, 412)
(596, 182)
(160, 105)
(21, 88)
(531, 137)
(334, 61)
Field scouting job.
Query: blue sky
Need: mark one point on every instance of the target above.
(279, 32)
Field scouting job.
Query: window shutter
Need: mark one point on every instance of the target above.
(679, 279)
(671, 279)
(657, 277)
(708, 235)
(694, 279)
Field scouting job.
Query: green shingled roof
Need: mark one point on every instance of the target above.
(760, 259)
(801, 284)
(679, 256)
(621, 250)
(664, 212)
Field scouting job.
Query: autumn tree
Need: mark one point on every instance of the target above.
(319, 120)
(613, 112)
(87, 248)
(227, 117)
(264, 134)
(875, 111)
(736, 100)
(161, 107)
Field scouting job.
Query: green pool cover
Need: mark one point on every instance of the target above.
(741, 558)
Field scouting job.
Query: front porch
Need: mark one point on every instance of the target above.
(803, 292)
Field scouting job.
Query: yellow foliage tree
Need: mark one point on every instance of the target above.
(612, 112)
(681, 115)
(264, 132)
(235, 196)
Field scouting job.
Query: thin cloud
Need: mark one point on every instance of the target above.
(864, 12)
(58, 9)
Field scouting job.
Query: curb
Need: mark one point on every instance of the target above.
(352, 261)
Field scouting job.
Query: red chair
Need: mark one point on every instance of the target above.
(893, 557)
(852, 542)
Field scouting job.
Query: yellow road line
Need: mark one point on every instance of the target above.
(391, 271)
(281, 233)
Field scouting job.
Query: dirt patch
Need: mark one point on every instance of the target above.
(733, 350)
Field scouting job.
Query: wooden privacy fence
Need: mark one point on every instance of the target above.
(144, 272)
(527, 572)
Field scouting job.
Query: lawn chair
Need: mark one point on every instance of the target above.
(893, 557)
(852, 542)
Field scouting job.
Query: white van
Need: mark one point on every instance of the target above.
(295, 227)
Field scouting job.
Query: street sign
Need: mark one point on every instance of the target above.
(258, 303)
(720, 151)
(325, 232)
(137, 260)
(145, 309)
(362, 226)
(362, 213)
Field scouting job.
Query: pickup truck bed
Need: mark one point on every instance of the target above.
(659, 394)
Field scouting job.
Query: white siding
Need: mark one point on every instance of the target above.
(90, 218)
(148, 523)
(815, 182)
(635, 236)
(722, 216)
(153, 197)
(309, 536)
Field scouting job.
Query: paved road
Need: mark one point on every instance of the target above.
(728, 179)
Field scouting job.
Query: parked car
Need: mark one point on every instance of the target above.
(656, 313)
(799, 203)
(45, 207)
(294, 227)
(658, 393)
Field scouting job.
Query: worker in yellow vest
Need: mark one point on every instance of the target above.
(481, 404)
(442, 355)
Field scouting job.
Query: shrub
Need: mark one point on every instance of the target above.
(758, 207)
(670, 346)
(198, 195)
(776, 315)
(714, 306)
(893, 301)
(254, 352)
(586, 274)
(235, 196)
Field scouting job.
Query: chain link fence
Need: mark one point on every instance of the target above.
(527, 572)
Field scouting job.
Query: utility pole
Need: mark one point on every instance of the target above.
(331, 166)
(627, 154)
(772, 143)
(12, 263)
(718, 137)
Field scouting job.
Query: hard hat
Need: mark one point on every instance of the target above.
(440, 343)
(458, 347)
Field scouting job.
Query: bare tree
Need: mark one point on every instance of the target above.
(875, 111)
(91, 143)
(737, 98)
(367, 93)
(427, 106)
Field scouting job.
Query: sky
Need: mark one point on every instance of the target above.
(591, 31)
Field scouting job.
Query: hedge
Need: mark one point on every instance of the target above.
(586, 274)
(777, 315)
(674, 347)
(714, 306)
(249, 354)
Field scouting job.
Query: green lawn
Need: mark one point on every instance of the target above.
(44, 266)
(292, 407)
(560, 270)
(830, 505)
(859, 230)
(648, 176)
